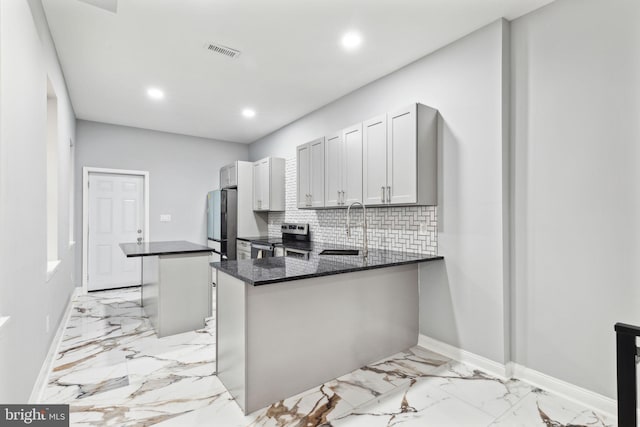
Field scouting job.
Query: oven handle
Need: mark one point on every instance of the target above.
(262, 247)
(295, 251)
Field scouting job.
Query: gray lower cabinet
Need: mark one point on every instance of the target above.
(176, 292)
(267, 336)
(243, 250)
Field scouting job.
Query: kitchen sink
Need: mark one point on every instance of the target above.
(340, 252)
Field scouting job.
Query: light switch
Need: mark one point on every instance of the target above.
(165, 218)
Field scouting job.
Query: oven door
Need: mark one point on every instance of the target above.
(296, 253)
(259, 250)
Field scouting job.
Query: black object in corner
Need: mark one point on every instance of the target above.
(626, 355)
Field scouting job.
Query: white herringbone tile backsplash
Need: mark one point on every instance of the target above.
(395, 228)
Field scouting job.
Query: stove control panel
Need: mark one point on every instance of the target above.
(288, 228)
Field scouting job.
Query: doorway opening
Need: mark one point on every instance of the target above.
(115, 209)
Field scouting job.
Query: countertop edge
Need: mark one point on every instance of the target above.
(169, 253)
(330, 273)
(158, 248)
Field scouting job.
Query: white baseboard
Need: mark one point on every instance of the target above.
(594, 401)
(43, 376)
(487, 365)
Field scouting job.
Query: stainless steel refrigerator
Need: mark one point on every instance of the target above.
(222, 220)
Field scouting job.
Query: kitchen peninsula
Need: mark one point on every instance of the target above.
(176, 284)
(285, 325)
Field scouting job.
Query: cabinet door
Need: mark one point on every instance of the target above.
(374, 164)
(352, 165)
(333, 170)
(224, 177)
(402, 159)
(302, 165)
(316, 173)
(232, 175)
(265, 178)
(257, 187)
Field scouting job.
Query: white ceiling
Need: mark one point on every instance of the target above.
(291, 62)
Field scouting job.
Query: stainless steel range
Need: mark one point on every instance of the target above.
(296, 240)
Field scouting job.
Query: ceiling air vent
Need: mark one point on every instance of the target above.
(222, 50)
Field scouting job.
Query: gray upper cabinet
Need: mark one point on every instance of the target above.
(389, 159)
(343, 167)
(352, 164)
(268, 184)
(402, 156)
(400, 161)
(303, 156)
(310, 174)
(374, 168)
(229, 176)
(333, 170)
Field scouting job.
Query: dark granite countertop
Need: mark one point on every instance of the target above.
(266, 271)
(174, 247)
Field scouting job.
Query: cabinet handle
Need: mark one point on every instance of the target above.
(338, 200)
(389, 194)
(343, 202)
(341, 197)
(382, 189)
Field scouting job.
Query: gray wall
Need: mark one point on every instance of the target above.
(27, 56)
(462, 301)
(182, 169)
(540, 233)
(576, 99)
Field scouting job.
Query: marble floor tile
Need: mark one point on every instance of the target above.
(415, 404)
(540, 408)
(490, 394)
(413, 363)
(319, 406)
(114, 371)
(373, 380)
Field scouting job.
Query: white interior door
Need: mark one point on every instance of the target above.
(116, 215)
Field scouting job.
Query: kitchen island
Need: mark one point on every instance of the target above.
(175, 284)
(285, 325)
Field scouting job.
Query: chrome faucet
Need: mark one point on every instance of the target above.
(365, 246)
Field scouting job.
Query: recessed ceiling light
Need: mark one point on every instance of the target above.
(155, 93)
(351, 40)
(248, 112)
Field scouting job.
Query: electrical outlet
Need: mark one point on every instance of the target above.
(47, 323)
(165, 218)
(423, 229)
